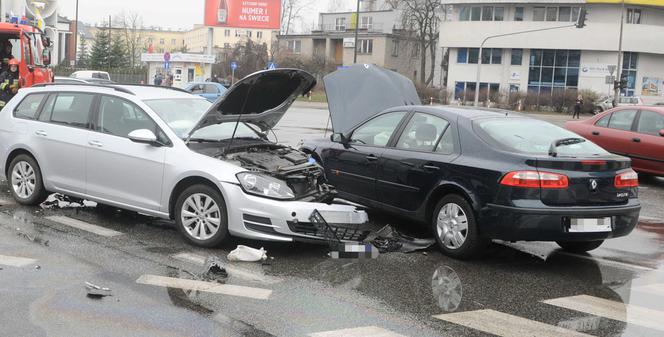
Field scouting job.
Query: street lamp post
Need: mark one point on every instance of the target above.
(357, 28)
(616, 92)
(76, 37)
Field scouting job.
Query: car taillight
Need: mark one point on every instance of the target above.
(535, 179)
(627, 179)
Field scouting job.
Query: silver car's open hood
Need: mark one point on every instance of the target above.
(363, 90)
(261, 98)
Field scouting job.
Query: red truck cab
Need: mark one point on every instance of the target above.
(30, 46)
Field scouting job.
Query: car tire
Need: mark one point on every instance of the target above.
(579, 246)
(201, 216)
(25, 181)
(455, 228)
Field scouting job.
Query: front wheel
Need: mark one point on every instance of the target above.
(455, 228)
(25, 178)
(201, 217)
(579, 246)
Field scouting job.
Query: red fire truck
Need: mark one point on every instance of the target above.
(31, 48)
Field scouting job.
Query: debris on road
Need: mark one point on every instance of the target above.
(387, 239)
(355, 251)
(57, 200)
(214, 270)
(37, 267)
(247, 254)
(96, 291)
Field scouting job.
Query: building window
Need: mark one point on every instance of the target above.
(634, 16)
(462, 55)
(227, 32)
(575, 13)
(518, 14)
(466, 90)
(487, 13)
(365, 46)
(552, 72)
(227, 45)
(259, 35)
(475, 13)
(366, 22)
(340, 24)
(499, 14)
(237, 33)
(395, 48)
(517, 57)
(552, 14)
(161, 41)
(484, 13)
(538, 13)
(295, 46)
(469, 55)
(565, 14)
(174, 41)
(249, 33)
(630, 62)
(492, 56)
(464, 13)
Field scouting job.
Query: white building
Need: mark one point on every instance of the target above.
(551, 61)
(185, 68)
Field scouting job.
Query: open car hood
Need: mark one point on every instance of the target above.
(261, 98)
(362, 90)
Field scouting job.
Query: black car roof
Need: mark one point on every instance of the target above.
(465, 112)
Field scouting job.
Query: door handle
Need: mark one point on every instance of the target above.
(595, 133)
(41, 133)
(431, 168)
(95, 143)
(636, 140)
(371, 157)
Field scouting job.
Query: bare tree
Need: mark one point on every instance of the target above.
(336, 6)
(131, 24)
(291, 11)
(422, 17)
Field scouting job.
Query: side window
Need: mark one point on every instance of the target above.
(378, 131)
(120, 117)
(604, 122)
(47, 110)
(29, 106)
(72, 109)
(622, 120)
(211, 89)
(422, 132)
(446, 144)
(650, 122)
(197, 89)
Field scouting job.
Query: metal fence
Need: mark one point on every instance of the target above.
(129, 76)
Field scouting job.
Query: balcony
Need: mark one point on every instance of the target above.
(333, 28)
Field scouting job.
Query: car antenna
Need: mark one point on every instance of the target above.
(239, 117)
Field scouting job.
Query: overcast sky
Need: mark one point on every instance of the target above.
(173, 14)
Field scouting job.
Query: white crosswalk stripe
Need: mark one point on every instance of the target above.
(365, 331)
(618, 311)
(82, 225)
(506, 325)
(210, 287)
(234, 271)
(15, 261)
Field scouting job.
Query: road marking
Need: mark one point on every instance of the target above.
(225, 289)
(365, 331)
(618, 311)
(506, 325)
(650, 219)
(609, 262)
(82, 225)
(7, 202)
(232, 270)
(655, 289)
(15, 261)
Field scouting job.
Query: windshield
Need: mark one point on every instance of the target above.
(533, 136)
(182, 114)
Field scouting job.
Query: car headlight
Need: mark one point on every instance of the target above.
(264, 186)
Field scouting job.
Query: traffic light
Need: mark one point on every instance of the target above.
(581, 21)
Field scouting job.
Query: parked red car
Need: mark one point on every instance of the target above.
(633, 131)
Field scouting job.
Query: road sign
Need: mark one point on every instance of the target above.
(610, 79)
(167, 57)
(233, 65)
(271, 66)
(612, 68)
(167, 65)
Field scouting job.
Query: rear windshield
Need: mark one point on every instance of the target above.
(532, 136)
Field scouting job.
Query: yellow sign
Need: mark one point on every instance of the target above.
(353, 21)
(629, 2)
(198, 69)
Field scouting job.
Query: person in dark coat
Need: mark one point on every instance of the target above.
(9, 82)
(577, 107)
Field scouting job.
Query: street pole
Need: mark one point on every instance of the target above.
(357, 29)
(110, 42)
(76, 37)
(616, 92)
(479, 57)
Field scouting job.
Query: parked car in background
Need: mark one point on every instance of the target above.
(209, 90)
(607, 103)
(91, 74)
(68, 80)
(170, 154)
(472, 175)
(636, 132)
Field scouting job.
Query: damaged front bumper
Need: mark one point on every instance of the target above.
(261, 218)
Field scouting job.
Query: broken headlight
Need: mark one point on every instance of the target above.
(264, 186)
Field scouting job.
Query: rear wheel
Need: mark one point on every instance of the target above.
(25, 178)
(455, 229)
(200, 214)
(579, 246)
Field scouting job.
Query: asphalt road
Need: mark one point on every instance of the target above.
(47, 255)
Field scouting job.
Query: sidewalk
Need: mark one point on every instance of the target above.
(310, 105)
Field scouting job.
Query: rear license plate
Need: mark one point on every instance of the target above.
(590, 225)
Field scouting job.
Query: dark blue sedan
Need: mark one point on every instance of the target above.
(210, 90)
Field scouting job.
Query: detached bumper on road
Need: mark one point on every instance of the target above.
(273, 220)
(551, 223)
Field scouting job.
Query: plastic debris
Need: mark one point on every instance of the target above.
(387, 239)
(57, 200)
(96, 291)
(355, 251)
(215, 270)
(247, 254)
(37, 267)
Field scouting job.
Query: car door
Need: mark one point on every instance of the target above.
(61, 140)
(210, 92)
(647, 148)
(419, 159)
(352, 167)
(615, 133)
(118, 169)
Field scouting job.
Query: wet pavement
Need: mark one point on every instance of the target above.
(156, 280)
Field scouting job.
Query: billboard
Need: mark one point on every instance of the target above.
(262, 14)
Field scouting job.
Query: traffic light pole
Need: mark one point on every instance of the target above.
(617, 85)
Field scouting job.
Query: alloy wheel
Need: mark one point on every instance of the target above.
(452, 226)
(200, 216)
(24, 179)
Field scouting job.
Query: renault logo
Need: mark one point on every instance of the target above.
(593, 184)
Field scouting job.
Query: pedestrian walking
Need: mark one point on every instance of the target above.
(158, 79)
(577, 107)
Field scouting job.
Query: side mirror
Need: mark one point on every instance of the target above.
(661, 132)
(337, 138)
(143, 136)
(46, 57)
